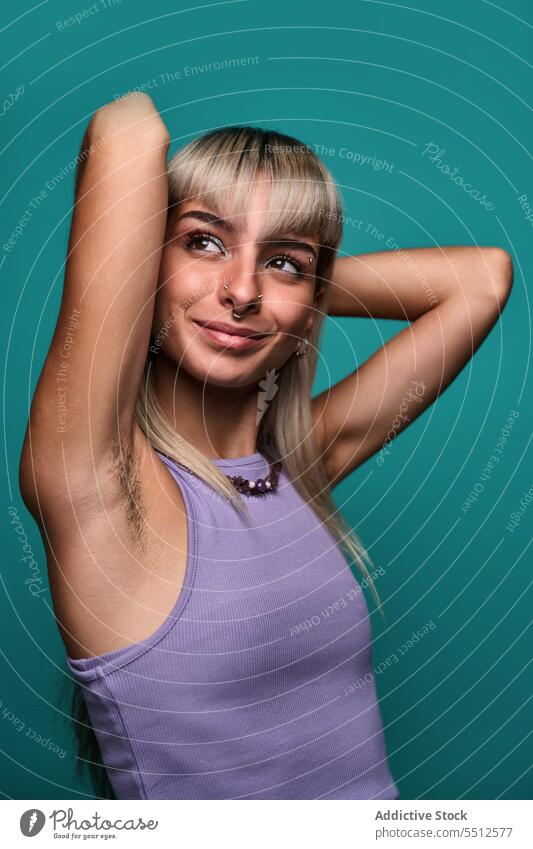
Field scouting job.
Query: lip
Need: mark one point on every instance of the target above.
(236, 338)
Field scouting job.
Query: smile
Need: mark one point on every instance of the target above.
(239, 340)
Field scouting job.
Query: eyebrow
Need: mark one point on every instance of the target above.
(211, 218)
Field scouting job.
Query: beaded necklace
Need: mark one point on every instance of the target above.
(260, 486)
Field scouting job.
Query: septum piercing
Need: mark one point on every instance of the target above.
(226, 286)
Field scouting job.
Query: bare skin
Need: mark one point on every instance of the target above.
(112, 517)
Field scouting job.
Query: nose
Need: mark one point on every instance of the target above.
(239, 288)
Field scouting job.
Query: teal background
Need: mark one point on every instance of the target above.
(380, 79)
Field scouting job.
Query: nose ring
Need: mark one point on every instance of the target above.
(226, 286)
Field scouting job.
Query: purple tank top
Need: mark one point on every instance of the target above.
(252, 686)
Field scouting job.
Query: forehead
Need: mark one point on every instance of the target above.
(253, 216)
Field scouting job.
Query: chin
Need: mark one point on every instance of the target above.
(222, 370)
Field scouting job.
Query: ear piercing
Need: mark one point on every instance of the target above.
(302, 352)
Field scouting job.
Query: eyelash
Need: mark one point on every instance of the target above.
(193, 236)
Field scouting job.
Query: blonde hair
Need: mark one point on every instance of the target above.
(220, 167)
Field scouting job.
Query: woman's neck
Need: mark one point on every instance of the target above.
(219, 421)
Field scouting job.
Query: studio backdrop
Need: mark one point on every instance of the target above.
(423, 115)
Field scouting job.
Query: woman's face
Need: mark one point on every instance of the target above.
(203, 250)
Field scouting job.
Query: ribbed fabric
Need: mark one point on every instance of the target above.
(253, 687)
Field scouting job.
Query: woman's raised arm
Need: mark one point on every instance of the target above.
(452, 295)
(87, 391)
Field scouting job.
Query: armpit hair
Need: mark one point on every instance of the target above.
(126, 470)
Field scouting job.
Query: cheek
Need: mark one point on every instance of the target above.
(175, 302)
(291, 318)
(175, 273)
(182, 281)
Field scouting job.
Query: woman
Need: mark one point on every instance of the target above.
(181, 473)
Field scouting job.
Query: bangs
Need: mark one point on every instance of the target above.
(221, 168)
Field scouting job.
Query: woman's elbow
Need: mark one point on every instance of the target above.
(133, 117)
(501, 277)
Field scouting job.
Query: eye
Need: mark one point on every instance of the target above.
(205, 243)
(287, 264)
